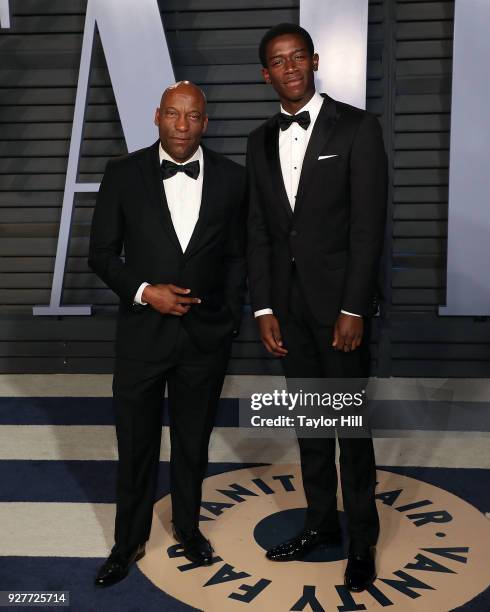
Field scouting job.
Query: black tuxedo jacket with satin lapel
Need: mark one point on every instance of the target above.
(131, 213)
(335, 234)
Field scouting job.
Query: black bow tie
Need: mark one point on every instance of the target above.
(302, 119)
(168, 169)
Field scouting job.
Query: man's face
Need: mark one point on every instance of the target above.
(290, 67)
(181, 121)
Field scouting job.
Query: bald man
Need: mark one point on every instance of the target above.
(177, 210)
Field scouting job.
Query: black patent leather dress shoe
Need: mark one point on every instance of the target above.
(116, 567)
(196, 548)
(361, 570)
(297, 548)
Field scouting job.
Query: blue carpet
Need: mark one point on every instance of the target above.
(82, 481)
(94, 482)
(134, 594)
(85, 411)
(473, 485)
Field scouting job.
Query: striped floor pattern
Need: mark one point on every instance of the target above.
(57, 469)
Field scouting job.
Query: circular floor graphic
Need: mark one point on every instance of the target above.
(432, 552)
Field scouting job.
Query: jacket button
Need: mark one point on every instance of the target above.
(293, 233)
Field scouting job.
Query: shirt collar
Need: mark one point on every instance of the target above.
(164, 155)
(313, 106)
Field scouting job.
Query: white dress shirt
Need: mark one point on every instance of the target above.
(183, 195)
(292, 148)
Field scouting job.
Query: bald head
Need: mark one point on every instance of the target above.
(186, 88)
(181, 119)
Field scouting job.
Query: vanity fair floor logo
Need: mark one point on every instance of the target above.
(432, 553)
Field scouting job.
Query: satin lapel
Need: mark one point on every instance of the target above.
(150, 167)
(210, 182)
(275, 172)
(322, 131)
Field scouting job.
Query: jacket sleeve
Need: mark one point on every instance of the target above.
(258, 243)
(368, 191)
(107, 238)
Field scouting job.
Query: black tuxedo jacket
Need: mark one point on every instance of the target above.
(131, 213)
(335, 234)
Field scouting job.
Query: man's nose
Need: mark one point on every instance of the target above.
(182, 124)
(290, 65)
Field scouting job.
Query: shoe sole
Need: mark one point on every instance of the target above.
(301, 557)
(285, 560)
(200, 563)
(360, 590)
(105, 585)
(197, 562)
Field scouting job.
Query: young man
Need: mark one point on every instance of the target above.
(317, 196)
(178, 210)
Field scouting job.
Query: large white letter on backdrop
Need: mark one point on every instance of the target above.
(468, 253)
(339, 30)
(4, 14)
(139, 65)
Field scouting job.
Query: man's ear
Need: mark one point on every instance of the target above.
(316, 61)
(156, 120)
(205, 124)
(265, 74)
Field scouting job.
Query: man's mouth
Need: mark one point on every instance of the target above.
(294, 81)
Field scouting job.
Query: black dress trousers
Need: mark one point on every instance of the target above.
(194, 380)
(311, 355)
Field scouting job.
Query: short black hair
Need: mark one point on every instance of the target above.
(279, 30)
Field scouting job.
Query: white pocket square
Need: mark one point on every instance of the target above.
(326, 157)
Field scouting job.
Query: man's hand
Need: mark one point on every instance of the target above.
(347, 333)
(270, 334)
(169, 299)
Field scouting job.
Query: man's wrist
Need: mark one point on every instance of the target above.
(148, 294)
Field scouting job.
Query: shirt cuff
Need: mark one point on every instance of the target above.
(263, 311)
(139, 294)
(352, 314)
